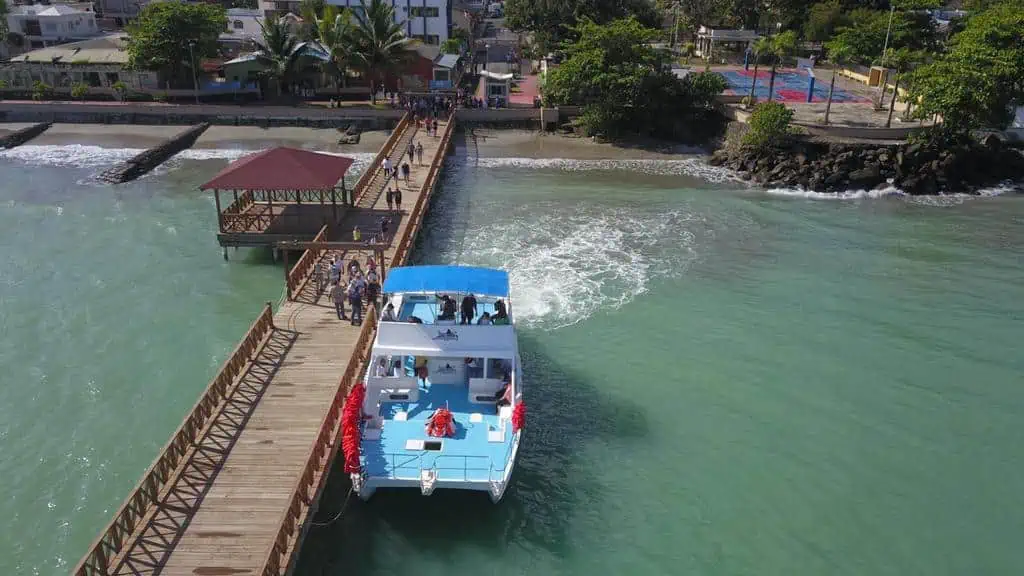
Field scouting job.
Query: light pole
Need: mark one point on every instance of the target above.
(487, 57)
(885, 51)
(195, 75)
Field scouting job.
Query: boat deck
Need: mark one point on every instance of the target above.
(469, 456)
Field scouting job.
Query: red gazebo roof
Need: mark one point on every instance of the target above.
(281, 168)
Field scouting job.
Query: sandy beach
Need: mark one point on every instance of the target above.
(491, 143)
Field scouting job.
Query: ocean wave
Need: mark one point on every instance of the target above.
(696, 167)
(69, 155)
(893, 191)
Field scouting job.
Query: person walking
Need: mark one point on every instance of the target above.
(435, 127)
(355, 300)
(338, 297)
(411, 150)
(387, 167)
(398, 199)
(390, 196)
(419, 152)
(405, 171)
(385, 224)
(372, 287)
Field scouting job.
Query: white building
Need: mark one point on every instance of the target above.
(243, 26)
(43, 26)
(427, 20)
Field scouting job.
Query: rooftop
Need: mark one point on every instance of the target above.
(447, 61)
(281, 168)
(108, 49)
(447, 279)
(38, 10)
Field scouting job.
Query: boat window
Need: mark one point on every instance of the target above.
(498, 368)
(433, 309)
(475, 367)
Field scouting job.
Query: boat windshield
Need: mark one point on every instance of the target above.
(448, 309)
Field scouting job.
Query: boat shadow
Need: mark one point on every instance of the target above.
(566, 414)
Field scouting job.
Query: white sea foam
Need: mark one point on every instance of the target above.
(72, 155)
(936, 200)
(566, 266)
(696, 167)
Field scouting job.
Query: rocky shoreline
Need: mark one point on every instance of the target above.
(916, 169)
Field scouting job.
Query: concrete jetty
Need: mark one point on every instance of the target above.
(19, 137)
(145, 161)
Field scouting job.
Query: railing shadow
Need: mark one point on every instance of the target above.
(181, 500)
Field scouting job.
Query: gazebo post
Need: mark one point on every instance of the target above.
(344, 192)
(287, 281)
(220, 218)
(334, 203)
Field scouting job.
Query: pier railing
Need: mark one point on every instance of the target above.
(385, 152)
(405, 242)
(301, 272)
(321, 455)
(104, 551)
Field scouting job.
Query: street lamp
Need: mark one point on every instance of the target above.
(195, 74)
(487, 56)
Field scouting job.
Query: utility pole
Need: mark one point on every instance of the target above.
(195, 74)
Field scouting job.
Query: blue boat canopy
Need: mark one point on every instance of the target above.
(447, 279)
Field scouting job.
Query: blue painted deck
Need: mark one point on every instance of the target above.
(467, 456)
(427, 310)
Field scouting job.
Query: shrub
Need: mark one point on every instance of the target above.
(688, 49)
(41, 90)
(3, 85)
(769, 125)
(79, 90)
(120, 89)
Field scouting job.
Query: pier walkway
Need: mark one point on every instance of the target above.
(233, 491)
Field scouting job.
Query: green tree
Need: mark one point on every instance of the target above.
(769, 125)
(781, 46)
(312, 12)
(333, 31)
(976, 83)
(623, 83)
(838, 53)
(379, 44)
(168, 35)
(280, 52)
(822, 20)
(41, 90)
(79, 91)
(553, 22)
(451, 46)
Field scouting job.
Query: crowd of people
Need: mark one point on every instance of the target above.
(349, 284)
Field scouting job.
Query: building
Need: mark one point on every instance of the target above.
(429, 21)
(429, 70)
(714, 40)
(119, 12)
(42, 26)
(98, 63)
(244, 25)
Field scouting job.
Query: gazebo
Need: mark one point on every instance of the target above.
(708, 38)
(281, 194)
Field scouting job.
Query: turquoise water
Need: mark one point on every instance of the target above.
(721, 381)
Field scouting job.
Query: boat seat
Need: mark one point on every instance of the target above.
(482, 390)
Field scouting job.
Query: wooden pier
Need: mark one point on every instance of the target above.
(235, 487)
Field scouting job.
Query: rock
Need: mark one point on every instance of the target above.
(719, 158)
(349, 139)
(992, 142)
(868, 177)
(833, 179)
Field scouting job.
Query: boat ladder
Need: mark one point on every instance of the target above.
(427, 480)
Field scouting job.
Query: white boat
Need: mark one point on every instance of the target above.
(426, 367)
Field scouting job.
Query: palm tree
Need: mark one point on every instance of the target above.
(280, 51)
(333, 31)
(379, 44)
(900, 60)
(762, 46)
(839, 51)
(781, 45)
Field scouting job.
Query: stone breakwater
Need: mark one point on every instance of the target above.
(916, 169)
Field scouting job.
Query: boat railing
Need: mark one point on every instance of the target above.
(500, 471)
(399, 461)
(465, 467)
